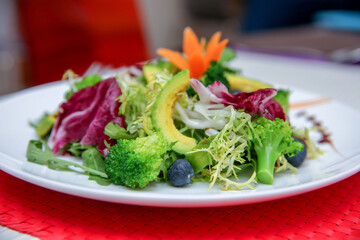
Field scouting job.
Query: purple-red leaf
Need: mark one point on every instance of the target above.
(257, 102)
(84, 116)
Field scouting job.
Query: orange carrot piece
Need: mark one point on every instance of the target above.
(212, 45)
(191, 42)
(174, 57)
(220, 47)
(196, 64)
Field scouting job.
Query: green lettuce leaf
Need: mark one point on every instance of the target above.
(87, 81)
(38, 152)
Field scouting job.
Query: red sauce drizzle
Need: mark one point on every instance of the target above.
(301, 114)
(325, 136)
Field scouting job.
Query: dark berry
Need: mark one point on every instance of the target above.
(180, 173)
(299, 158)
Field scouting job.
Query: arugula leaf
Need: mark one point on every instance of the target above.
(76, 148)
(100, 180)
(38, 152)
(94, 160)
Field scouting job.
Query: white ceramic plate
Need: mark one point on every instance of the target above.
(20, 108)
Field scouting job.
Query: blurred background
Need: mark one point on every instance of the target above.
(41, 39)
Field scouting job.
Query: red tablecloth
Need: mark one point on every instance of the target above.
(329, 213)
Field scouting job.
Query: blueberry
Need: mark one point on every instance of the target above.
(180, 173)
(297, 159)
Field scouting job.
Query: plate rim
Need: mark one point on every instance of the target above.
(178, 200)
(163, 200)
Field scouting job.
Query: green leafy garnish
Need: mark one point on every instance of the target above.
(216, 72)
(87, 81)
(44, 125)
(38, 152)
(114, 131)
(227, 55)
(94, 160)
(199, 160)
(282, 97)
(133, 101)
(76, 148)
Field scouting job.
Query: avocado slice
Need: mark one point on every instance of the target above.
(162, 112)
(150, 70)
(245, 84)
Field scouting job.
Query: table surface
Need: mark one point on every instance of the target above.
(303, 40)
(342, 83)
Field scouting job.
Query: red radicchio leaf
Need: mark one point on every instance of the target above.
(257, 102)
(84, 116)
(275, 110)
(204, 93)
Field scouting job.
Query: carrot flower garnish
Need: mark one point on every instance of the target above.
(196, 57)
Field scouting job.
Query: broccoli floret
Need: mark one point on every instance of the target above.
(136, 162)
(272, 140)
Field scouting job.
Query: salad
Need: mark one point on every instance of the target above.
(181, 118)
